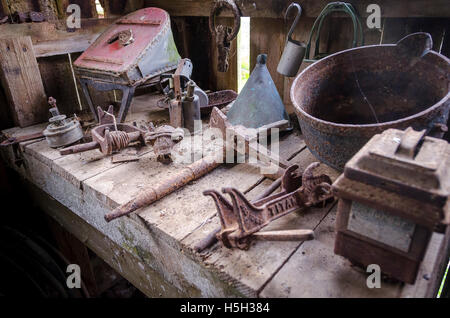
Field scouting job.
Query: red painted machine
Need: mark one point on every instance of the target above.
(131, 52)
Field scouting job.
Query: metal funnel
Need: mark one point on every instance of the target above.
(259, 103)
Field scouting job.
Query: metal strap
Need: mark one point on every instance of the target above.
(317, 27)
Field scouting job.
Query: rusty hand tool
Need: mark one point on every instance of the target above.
(109, 136)
(222, 34)
(241, 219)
(175, 182)
(250, 137)
(211, 238)
(163, 139)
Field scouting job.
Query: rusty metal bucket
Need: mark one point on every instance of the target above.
(344, 99)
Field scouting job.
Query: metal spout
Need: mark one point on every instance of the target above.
(259, 102)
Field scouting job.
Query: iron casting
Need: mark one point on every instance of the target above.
(344, 99)
(61, 131)
(240, 219)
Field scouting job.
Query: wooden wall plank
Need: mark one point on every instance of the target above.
(268, 36)
(311, 8)
(58, 82)
(59, 47)
(113, 8)
(50, 38)
(6, 120)
(194, 41)
(4, 10)
(22, 6)
(49, 8)
(22, 81)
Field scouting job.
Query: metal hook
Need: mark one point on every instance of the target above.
(299, 13)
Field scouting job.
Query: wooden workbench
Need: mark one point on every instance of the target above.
(153, 248)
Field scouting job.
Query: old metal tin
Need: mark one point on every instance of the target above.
(294, 51)
(63, 135)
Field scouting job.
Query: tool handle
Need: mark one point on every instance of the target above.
(285, 235)
(211, 238)
(414, 45)
(80, 148)
(207, 241)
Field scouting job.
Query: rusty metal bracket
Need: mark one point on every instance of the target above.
(163, 139)
(16, 140)
(109, 136)
(125, 37)
(222, 34)
(220, 121)
(14, 143)
(241, 219)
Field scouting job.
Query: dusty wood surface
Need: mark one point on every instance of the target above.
(21, 81)
(153, 248)
(52, 38)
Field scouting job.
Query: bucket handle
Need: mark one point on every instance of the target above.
(329, 8)
(294, 24)
(415, 44)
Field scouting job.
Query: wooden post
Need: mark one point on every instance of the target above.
(267, 36)
(4, 9)
(49, 8)
(22, 82)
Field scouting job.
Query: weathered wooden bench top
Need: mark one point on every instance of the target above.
(158, 241)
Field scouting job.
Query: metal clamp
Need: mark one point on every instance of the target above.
(109, 136)
(241, 219)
